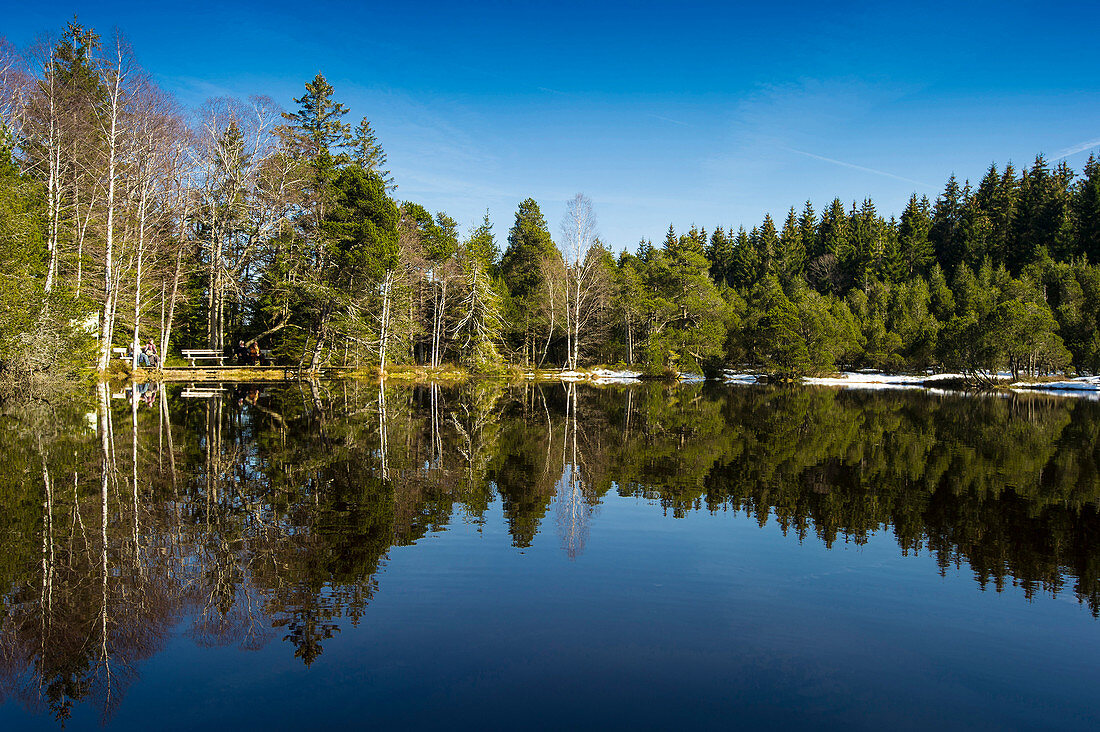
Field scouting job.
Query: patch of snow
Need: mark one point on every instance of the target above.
(1083, 386)
(878, 380)
(734, 377)
(690, 378)
(615, 376)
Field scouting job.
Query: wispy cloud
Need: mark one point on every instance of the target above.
(1079, 147)
(669, 119)
(853, 166)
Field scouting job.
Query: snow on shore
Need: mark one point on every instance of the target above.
(615, 376)
(734, 377)
(1081, 383)
(1087, 387)
(878, 380)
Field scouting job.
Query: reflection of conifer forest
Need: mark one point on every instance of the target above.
(265, 515)
(124, 218)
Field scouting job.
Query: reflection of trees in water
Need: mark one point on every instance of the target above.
(267, 515)
(575, 499)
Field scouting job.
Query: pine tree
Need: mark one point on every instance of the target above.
(773, 331)
(767, 245)
(945, 233)
(479, 327)
(524, 271)
(792, 250)
(1043, 221)
(670, 238)
(745, 264)
(833, 243)
(807, 224)
(319, 118)
(1086, 211)
(891, 266)
(368, 153)
(483, 244)
(863, 255)
(913, 244)
(720, 256)
(318, 130)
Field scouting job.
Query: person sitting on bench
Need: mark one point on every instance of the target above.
(149, 355)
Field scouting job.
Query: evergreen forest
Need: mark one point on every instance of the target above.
(126, 218)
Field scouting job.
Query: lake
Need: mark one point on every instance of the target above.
(548, 556)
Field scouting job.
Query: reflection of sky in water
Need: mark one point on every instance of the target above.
(554, 573)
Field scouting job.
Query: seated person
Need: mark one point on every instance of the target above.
(149, 355)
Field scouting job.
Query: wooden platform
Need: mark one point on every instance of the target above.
(243, 373)
(230, 373)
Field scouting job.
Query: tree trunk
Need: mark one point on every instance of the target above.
(106, 326)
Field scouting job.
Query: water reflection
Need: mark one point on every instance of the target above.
(254, 514)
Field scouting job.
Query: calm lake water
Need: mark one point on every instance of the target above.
(549, 557)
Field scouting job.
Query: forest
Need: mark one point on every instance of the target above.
(126, 218)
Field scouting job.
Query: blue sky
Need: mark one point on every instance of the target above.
(682, 113)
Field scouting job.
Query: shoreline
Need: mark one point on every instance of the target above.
(1085, 386)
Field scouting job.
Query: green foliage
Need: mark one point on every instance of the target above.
(43, 336)
(772, 330)
(312, 256)
(525, 266)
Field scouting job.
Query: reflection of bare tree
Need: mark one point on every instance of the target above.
(574, 507)
(270, 516)
(383, 424)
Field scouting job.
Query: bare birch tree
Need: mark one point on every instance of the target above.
(579, 241)
(118, 77)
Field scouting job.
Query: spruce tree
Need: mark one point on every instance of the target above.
(792, 250)
(745, 263)
(767, 245)
(1086, 211)
(913, 244)
(807, 224)
(945, 233)
(368, 153)
(720, 256)
(523, 269)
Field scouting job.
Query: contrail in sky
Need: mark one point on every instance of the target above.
(857, 167)
(669, 119)
(1079, 147)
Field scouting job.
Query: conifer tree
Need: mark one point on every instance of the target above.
(1086, 211)
(745, 265)
(807, 223)
(768, 250)
(913, 244)
(524, 268)
(720, 256)
(833, 243)
(792, 250)
(318, 128)
(773, 330)
(367, 152)
(945, 233)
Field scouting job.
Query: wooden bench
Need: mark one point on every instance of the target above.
(202, 354)
(202, 392)
(123, 354)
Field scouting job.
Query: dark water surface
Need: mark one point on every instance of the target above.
(549, 557)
